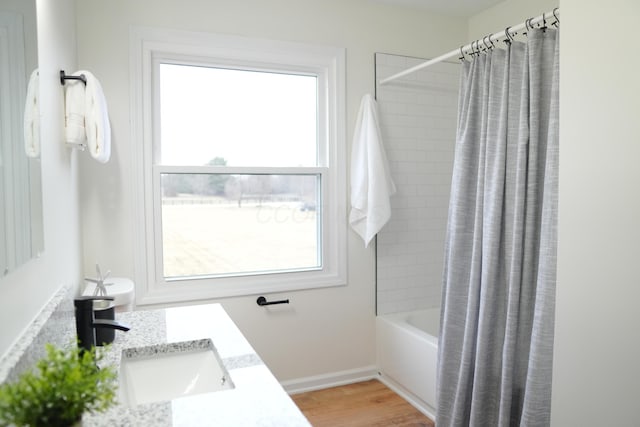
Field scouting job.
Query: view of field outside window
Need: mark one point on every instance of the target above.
(217, 224)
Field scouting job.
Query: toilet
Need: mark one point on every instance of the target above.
(120, 288)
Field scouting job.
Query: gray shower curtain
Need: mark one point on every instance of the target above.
(496, 332)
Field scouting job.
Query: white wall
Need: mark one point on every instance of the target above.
(25, 291)
(418, 117)
(597, 338)
(597, 350)
(322, 331)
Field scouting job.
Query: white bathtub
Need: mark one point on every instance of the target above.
(407, 352)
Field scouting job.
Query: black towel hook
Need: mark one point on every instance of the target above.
(64, 77)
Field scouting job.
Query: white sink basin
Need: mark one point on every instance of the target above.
(168, 371)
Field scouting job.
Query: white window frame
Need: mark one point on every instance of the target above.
(149, 47)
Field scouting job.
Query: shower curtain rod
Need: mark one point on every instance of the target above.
(484, 43)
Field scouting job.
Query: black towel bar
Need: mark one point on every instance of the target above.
(262, 301)
(64, 77)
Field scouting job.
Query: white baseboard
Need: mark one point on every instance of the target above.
(334, 379)
(414, 400)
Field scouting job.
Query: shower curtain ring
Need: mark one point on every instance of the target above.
(556, 17)
(544, 22)
(485, 43)
(462, 57)
(528, 24)
(508, 35)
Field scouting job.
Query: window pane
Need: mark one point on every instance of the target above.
(223, 224)
(249, 118)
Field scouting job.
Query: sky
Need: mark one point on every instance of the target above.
(249, 118)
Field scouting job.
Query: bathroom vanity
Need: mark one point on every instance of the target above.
(249, 394)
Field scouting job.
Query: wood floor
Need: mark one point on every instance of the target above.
(364, 404)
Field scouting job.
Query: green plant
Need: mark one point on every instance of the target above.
(67, 384)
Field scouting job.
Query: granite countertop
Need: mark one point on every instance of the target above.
(256, 400)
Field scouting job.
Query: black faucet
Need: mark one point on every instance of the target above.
(86, 323)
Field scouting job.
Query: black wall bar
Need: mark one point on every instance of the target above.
(262, 301)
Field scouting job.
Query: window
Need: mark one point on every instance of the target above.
(242, 165)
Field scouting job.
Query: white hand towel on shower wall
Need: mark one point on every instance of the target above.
(371, 183)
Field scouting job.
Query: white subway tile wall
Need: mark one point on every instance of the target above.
(418, 117)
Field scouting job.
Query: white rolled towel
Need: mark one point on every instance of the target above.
(74, 105)
(96, 121)
(87, 117)
(32, 116)
(371, 183)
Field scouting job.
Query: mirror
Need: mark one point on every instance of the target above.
(21, 230)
